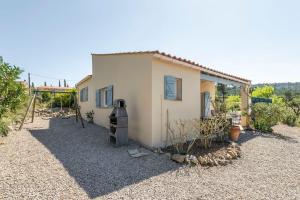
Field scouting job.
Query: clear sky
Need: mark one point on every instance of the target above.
(255, 39)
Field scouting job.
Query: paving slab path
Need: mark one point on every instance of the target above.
(57, 159)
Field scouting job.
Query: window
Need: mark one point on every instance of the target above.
(104, 97)
(173, 88)
(84, 94)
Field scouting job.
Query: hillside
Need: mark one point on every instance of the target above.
(280, 88)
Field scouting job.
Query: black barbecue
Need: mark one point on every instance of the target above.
(118, 119)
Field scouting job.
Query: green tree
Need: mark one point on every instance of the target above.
(12, 93)
(264, 92)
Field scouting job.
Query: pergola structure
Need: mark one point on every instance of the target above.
(244, 86)
(33, 102)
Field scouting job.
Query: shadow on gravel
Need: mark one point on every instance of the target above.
(98, 167)
(279, 136)
(249, 135)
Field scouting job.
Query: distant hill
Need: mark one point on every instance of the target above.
(280, 88)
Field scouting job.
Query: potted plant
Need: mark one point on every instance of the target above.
(90, 116)
(235, 130)
(234, 133)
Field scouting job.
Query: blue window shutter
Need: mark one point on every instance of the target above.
(97, 98)
(81, 91)
(170, 87)
(109, 97)
(206, 104)
(87, 94)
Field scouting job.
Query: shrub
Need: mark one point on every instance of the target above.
(233, 103)
(12, 95)
(66, 99)
(90, 116)
(265, 116)
(184, 134)
(3, 128)
(46, 97)
(289, 117)
(264, 92)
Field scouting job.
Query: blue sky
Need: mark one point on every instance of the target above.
(258, 40)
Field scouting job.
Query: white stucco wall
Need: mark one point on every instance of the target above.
(130, 76)
(187, 108)
(86, 106)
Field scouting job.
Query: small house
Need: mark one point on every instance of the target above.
(157, 87)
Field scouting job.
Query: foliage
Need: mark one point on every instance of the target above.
(293, 102)
(221, 91)
(281, 88)
(265, 116)
(58, 99)
(66, 99)
(12, 94)
(90, 116)
(264, 92)
(46, 97)
(289, 117)
(184, 134)
(278, 100)
(233, 103)
(3, 128)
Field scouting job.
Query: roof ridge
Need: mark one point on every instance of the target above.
(176, 58)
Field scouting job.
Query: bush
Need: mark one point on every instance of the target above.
(265, 116)
(46, 97)
(233, 103)
(289, 117)
(3, 129)
(263, 92)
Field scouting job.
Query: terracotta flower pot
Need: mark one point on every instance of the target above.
(234, 133)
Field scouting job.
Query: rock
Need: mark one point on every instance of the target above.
(215, 162)
(202, 160)
(222, 162)
(192, 159)
(178, 158)
(228, 156)
(232, 153)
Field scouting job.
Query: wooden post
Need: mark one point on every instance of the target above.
(23, 120)
(76, 113)
(245, 104)
(82, 124)
(33, 108)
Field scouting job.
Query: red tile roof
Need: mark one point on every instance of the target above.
(178, 59)
(52, 88)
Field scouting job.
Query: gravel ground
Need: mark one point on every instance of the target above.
(57, 159)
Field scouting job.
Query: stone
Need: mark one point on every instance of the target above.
(232, 153)
(228, 156)
(192, 159)
(202, 160)
(178, 158)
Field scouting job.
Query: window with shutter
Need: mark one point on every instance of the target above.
(84, 94)
(109, 95)
(98, 103)
(81, 91)
(206, 104)
(105, 97)
(173, 88)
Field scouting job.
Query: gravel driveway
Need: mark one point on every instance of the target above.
(57, 159)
